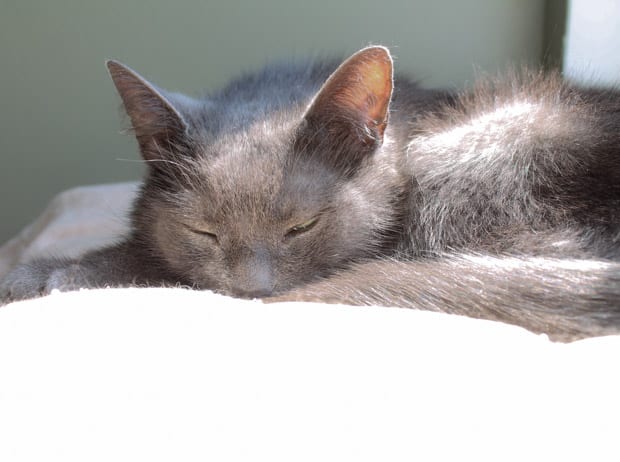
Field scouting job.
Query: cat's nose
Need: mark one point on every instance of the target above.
(254, 276)
(259, 284)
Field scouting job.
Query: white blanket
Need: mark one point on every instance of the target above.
(172, 374)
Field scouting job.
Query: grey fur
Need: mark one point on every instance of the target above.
(565, 298)
(502, 202)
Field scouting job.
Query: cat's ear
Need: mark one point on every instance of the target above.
(157, 124)
(352, 106)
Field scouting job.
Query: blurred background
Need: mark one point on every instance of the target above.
(60, 124)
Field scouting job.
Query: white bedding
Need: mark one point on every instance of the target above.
(172, 374)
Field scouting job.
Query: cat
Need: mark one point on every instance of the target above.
(342, 183)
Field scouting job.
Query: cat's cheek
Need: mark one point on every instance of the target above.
(360, 219)
(305, 261)
(186, 253)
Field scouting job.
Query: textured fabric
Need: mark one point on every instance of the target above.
(75, 221)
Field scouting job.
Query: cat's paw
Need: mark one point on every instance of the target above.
(25, 281)
(40, 278)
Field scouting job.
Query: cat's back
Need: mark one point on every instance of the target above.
(525, 150)
(279, 86)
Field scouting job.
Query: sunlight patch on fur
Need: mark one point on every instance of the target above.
(511, 263)
(483, 133)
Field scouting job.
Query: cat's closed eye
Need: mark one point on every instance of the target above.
(301, 227)
(203, 232)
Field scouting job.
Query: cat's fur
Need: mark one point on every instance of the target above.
(307, 182)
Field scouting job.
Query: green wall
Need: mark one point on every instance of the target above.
(59, 119)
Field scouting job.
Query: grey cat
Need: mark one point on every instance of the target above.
(340, 183)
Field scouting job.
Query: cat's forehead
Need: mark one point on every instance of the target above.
(256, 171)
(250, 158)
(239, 134)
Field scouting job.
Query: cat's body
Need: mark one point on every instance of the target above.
(500, 203)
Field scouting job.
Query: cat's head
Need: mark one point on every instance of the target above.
(251, 206)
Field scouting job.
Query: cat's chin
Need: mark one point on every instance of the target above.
(250, 295)
(264, 295)
(246, 295)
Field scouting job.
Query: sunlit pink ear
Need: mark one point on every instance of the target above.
(155, 121)
(359, 93)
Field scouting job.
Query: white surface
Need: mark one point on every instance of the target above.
(169, 374)
(592, 42)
